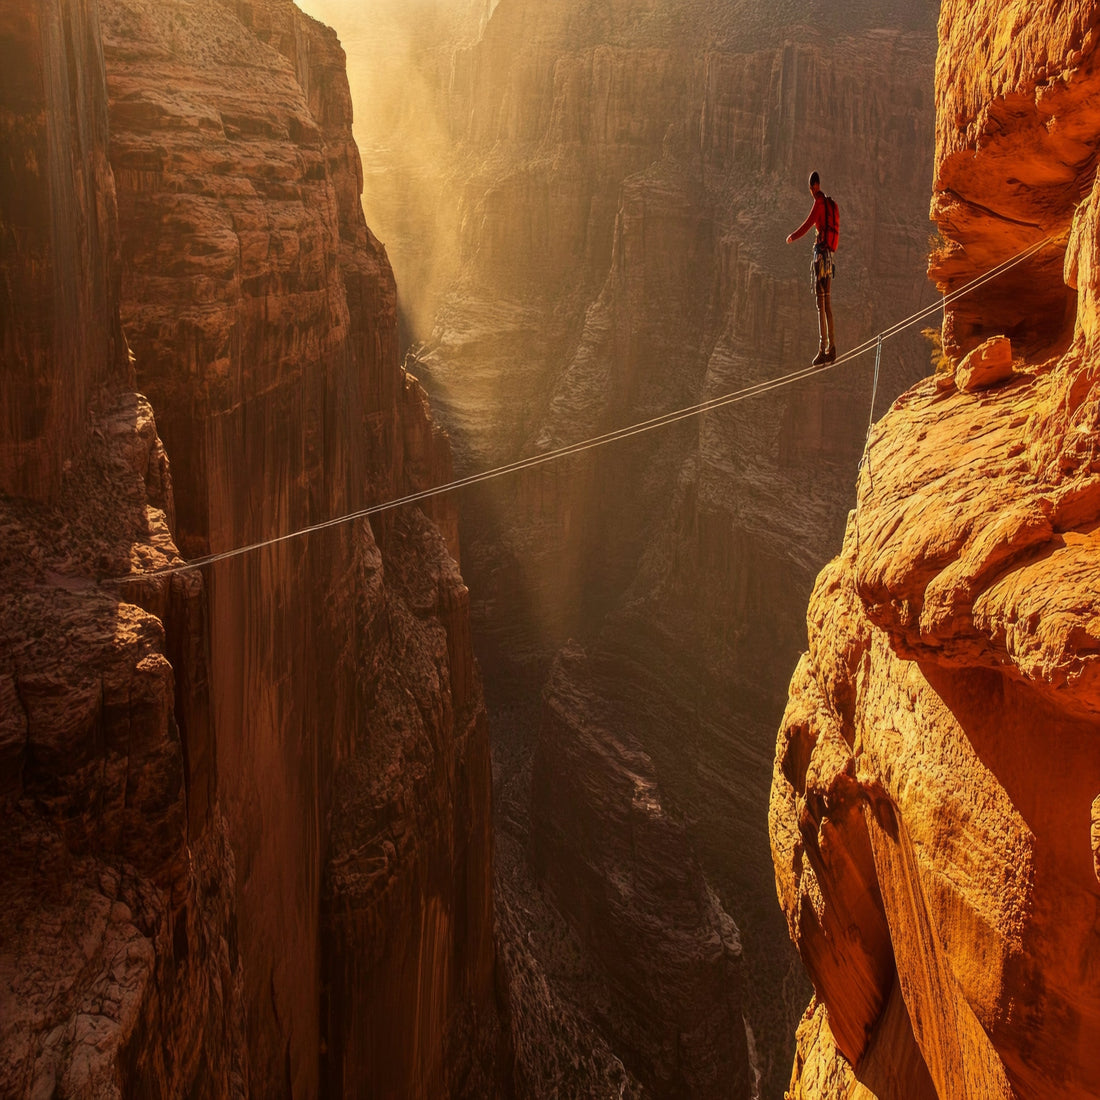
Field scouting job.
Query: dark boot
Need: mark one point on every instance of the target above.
(830, 356)
(821, 358)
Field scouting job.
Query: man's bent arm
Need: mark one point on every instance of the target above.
(810, 220)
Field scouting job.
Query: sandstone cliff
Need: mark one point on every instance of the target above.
(118, 931)
(616, 180)
(240, 811)
(933, 821)
(59, 242)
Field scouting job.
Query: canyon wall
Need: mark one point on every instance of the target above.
(933, 813)
(120, 973)
(606, 189)
(247, 840)
(716, 544)
(59, 244)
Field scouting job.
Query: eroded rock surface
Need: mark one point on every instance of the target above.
(239, 807)
(936, 768)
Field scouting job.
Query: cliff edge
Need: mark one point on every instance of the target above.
(933, 814)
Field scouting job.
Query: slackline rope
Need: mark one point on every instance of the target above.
(871, 417)
(608, 437)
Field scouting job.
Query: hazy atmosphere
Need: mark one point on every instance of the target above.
(585, 207)
(549, 549)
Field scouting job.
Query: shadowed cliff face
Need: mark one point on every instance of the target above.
(118, 932)
(611, 200)
(933, 820)
(270, 343)
(57, 216)
(239, 809)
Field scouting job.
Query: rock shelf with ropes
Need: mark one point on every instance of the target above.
(530, 462)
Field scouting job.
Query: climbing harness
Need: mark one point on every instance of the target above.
(607, 438)
(822, 267)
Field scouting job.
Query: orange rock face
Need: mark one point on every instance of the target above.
(932, 811)
(239, 808)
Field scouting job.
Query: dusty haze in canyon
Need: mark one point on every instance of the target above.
(586, 206)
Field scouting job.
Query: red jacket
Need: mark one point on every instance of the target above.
(817, 220)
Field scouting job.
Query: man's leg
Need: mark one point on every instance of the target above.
(828, 332)
(823, 306)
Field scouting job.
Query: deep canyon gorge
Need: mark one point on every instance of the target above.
(607, 189)
(484, 796)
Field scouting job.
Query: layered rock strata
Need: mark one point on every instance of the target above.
(932, 821)
(240, 810)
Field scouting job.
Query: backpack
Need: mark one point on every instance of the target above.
(830, 236)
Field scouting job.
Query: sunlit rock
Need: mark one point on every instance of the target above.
(953, 644)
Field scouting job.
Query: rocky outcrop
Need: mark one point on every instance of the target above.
(931, 806)
(118, 938)
(239, 809)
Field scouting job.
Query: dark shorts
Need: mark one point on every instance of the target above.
(822, 269)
